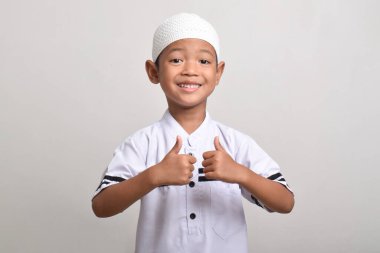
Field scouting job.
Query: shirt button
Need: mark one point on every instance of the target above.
(191, 184)
(192, 216)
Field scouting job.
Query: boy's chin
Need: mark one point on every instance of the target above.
(188, 106)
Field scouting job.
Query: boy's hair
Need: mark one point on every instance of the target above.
(183, 26)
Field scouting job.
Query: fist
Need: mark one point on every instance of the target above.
(219, 165)
(175, 168)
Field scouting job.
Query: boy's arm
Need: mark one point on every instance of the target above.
(219, 165)
(273, 195)
(118, 197)
(174, 169)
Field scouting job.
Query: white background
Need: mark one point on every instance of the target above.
(302, 78)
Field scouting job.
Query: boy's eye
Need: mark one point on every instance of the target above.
(175, 60)
(203, 61)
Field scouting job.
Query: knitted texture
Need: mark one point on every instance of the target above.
(183, 26)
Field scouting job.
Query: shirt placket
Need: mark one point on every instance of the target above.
(193, 192)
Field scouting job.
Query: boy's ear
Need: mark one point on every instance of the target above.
(152, 71)
(219, 71)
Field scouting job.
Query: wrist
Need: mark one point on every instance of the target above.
(243, 175)
(153, 177)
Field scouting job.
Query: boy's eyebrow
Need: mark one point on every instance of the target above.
(207, 51)
(176, 49)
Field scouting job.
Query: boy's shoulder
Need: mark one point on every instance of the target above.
(233, 138)
(230, 131)
(145, 132)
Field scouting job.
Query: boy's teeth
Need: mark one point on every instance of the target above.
(189, 85)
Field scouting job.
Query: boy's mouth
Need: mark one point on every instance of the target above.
(189, 87)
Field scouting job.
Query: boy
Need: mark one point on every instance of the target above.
(188, 170)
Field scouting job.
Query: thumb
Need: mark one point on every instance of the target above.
(217, 144)
(177, 146)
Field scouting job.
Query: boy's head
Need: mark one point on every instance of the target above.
(183, 26)
(185, 60)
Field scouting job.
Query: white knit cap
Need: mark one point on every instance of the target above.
(183, 26)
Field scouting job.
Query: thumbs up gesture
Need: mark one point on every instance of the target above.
(219, 165)
(175, 168)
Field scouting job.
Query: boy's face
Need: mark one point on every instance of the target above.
(188, 73)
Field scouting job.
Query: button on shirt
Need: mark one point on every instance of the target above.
(203, 216)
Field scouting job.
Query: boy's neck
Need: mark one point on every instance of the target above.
(190, 119)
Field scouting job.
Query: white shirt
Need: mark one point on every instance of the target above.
(204, 216)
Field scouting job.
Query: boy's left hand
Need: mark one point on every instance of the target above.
(219, 165)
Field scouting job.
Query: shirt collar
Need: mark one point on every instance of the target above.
(173, 128)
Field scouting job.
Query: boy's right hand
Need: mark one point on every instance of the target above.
(175, 168)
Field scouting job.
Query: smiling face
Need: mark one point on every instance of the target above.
(188, 73)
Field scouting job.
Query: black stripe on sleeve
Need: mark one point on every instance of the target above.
(114, 179)
(108, 179)
(256, 201)
(102, 183)
(275, 176)
(279, 179)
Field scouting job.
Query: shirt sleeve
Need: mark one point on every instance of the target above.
(254, 157)
(127, 161)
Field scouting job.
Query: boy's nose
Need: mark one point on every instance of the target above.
(189, 69)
